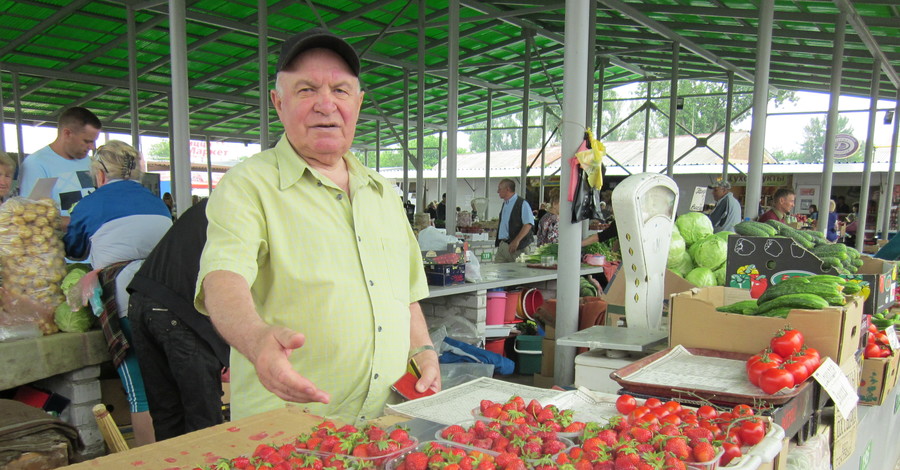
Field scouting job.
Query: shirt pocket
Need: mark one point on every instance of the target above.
(396, 256)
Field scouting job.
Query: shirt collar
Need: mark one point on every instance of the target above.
(292, 168)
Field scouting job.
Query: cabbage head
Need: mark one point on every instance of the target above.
(701, 277)
(720, 276)
(724, 234)
(75, 273)
(676, 247)
(70, 321)
(693, 226)
(710, 253)
(683, 265)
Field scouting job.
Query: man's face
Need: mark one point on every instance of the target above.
(785, 204)
(78, 143)
(318, 105)
(719, 193)
(503, 191)
(6, 178)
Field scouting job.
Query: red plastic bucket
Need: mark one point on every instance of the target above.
(496, 308)
(512, 305)
(495, 345)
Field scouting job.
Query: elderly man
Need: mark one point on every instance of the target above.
(65, 160)
(303, 238)
(727, 212)
(781, 207)
(516, 220)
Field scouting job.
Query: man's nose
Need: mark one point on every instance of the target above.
(325, 103)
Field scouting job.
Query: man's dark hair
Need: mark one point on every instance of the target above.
(77, 118)
(510, 184)
(782, 192)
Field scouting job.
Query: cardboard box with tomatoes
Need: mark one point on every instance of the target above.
(879, 367)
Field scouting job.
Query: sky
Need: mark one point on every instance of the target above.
(783, 132)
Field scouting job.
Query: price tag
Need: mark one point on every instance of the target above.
(838, 386)
(699, 198)
(892, 338)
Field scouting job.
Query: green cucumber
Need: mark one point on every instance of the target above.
(744, 307)
(825, 290)
(780, 312)
(803, 301)
(754, 229)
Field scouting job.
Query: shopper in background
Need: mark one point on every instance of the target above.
(441, 213)
(303, 238)
(65, 159)
(170, 203)
(727, 212)
(114, 228)
(180, 353)
(516, 219)
(7, 171)
(842, 207)
(782, 205)
(831, 230)
(548, 225)
(813, 213)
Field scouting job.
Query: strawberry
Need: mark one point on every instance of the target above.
(374, 433)
(361, 450)
(399, 434)
(264, 450)
(416, 461)
(449, 431)
(703, 452)
(286, 450)
(576, 426)
(583, 465)
(485, 404)
(553, 447)
(644, 448)
(678, 447)
(673, 463)
(493, 412)
(642, 435)
(626, 462)
(483, 443)
(697, 434)
(463, 438)
(347, 429)
(533, 407)
(544, 415)
(531, 449)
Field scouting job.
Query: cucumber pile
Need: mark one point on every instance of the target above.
(806, 292)
(840, 257)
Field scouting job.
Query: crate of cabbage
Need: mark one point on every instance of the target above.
(762, 255)
(696, 253)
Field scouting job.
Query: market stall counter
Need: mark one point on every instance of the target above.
(469, 300)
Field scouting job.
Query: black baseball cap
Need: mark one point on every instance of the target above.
(317, 38)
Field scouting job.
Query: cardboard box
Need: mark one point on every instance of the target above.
(694, 323)
(755, 262)
(843, 431)
(112, 394)
(445, 274)
(455, 253)
(877, 379)
(615, 292)
(201, 448)
(548, 356)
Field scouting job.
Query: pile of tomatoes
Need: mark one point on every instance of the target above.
(786, 363)
(877, 344)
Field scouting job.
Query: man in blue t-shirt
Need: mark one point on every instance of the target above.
(65, 159)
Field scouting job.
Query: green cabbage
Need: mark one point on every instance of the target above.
(693, 227)
(701, 277)
(710, 253)
(70, 321)
(720, 276)
(724, 234)
(683, 265)
(75, 273)
(676, 248)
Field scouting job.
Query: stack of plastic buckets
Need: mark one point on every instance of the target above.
(496, 310)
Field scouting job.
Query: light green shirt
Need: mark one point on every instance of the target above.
(341, 273)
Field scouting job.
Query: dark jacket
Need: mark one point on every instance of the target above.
(515, 225)
(169, 275)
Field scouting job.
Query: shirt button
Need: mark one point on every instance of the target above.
(174, 322)
(379, 329)
(371, 283)
(358, 238)
(318, 183)
(340, 196)
(376, 376)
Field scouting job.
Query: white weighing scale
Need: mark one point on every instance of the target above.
(644, 206)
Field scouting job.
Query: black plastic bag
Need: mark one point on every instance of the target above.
(586, 204)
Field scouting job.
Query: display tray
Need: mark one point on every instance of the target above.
(713, 396)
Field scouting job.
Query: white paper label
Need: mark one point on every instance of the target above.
(699, 198)
(838, 386)
(892, 338)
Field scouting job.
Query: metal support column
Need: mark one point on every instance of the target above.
(673, 108)
(262, 34)
(377, 145)
(892, 171)
(209, 182)
(592, 58)
(452, 111)
(729, 109)
(2, 117)
(647, 125)
(831, 124)
(420, 114)
(487, 152)
(760, 103)
(543, 153)
(132, 79)
(526, 93)
(867, 161)
(572, 132)
(601, 85)
(405, 142)
(181, 136)
(20, 139)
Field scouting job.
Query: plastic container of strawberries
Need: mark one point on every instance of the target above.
(424, 446)
(467, 425)
(708, 465)
(573, 436)
(764, 452)
(378, 463)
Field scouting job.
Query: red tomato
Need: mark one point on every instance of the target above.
(757, 369)
(673, 406)
(752, 431)
(688, 417)
(797, 369)
(786, 342)
(707, 412)
(725, 417)
(742, 410)
(765, 354)
(734, 435)
(653, 403)
(639, 411)
(671, 419)
(625, 404)
(659, 412)
(732, 452)
(773, 380)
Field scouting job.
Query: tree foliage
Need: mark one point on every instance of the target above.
(159, 151)
(812, 150)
